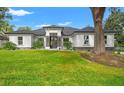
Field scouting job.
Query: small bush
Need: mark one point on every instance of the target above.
(38, 43)
(9, 46)
(68, 45)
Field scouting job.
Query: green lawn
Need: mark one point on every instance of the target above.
(38, 67)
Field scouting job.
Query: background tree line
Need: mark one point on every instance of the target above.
(5, 25)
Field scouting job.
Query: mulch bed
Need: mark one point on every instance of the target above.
(105, 59)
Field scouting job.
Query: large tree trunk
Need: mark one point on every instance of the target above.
(98, 13)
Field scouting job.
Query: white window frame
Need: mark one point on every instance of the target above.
(20, 40)
(105, 39)
(86, 39)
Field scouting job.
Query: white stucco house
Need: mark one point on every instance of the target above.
(53, 37)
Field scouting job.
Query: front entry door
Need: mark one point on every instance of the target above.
(53, 41)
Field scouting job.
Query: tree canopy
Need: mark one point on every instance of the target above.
(26, 28)
(115, 21)
(4, 20)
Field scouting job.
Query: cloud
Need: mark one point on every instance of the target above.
(19, 12)
(60, 24)
(42, 25)
(65, 23)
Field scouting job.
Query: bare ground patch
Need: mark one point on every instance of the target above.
(105, 59)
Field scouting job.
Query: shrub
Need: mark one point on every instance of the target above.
(9, 46)
(68, 45)
(38, 43)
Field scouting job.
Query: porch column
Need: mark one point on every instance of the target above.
(59, 43)
(47, 42)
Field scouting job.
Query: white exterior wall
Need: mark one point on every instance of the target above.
(48, 31)
(53, 31)
(78, 40)
(110, 40)
(2, 42)
(70, 39)
(44, 42)
(91, 40)
(27, 40)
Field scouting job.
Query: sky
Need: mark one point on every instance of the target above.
(37, 17)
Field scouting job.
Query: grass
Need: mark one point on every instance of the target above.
(54, 68)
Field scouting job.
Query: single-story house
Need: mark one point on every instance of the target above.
(54, 36)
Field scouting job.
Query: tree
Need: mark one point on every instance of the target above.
(98, 13)
(4, 19)
(26, 28)
(115, 22)
(8, 27)
(112, 9)
(39, 43)
(67, 45)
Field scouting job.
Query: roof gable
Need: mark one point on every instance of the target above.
(88, 28)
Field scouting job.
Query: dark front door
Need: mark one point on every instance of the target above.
(53, 41)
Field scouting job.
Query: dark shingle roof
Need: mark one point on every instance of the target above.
(69, 30)
(109, 31)
(21, 32)
(39, 32)
(66, 31)
(88, 28)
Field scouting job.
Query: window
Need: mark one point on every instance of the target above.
(40, 39)
(66, 39)
(20, 40)
(86, 40)
(53, 34)
(105, 37)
